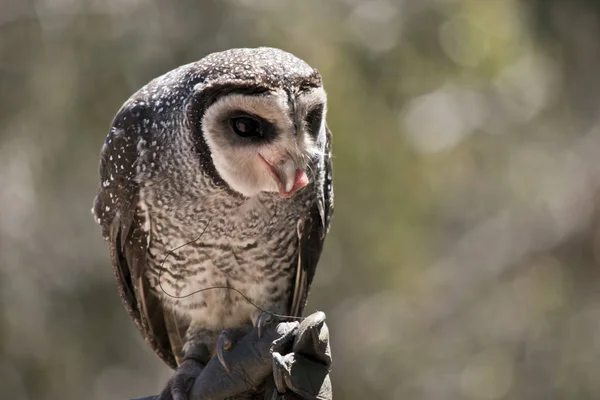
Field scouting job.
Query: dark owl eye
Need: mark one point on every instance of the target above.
(246, 127)
(313, 120)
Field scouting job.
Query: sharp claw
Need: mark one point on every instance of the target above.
(263, 320)
(223, 344)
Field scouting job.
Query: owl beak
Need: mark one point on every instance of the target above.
(289, 178)
(293, 183)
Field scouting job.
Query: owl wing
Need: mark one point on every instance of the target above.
(311, 234)
(116, 208)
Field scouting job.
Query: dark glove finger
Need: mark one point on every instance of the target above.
(303, 373)
(250, 363)
(312, 339)
(308, 378)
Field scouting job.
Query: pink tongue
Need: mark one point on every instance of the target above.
(300, 180)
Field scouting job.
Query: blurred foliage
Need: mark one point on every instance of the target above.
(463, 259)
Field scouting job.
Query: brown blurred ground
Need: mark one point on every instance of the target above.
(463, 259)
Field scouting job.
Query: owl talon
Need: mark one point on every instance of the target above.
(224, 343)
(263, 320)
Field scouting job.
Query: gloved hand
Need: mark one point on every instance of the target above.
(301, 371)
(290, 360)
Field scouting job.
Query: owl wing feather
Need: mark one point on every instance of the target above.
(311, 234)
(117, 207)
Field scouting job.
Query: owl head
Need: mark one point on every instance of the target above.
(261, 114)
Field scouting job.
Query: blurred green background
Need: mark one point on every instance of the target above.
(463, 259)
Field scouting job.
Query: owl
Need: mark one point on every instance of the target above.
(215, 196)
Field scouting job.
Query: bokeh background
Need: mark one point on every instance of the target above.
(463, 262)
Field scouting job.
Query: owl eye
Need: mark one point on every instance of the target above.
(313, 120)
(246, 127)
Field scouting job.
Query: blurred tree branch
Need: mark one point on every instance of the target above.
(503, 241)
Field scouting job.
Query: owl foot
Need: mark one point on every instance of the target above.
(226, 340)
(182, 381)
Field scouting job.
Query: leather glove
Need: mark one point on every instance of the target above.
(290, 360)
